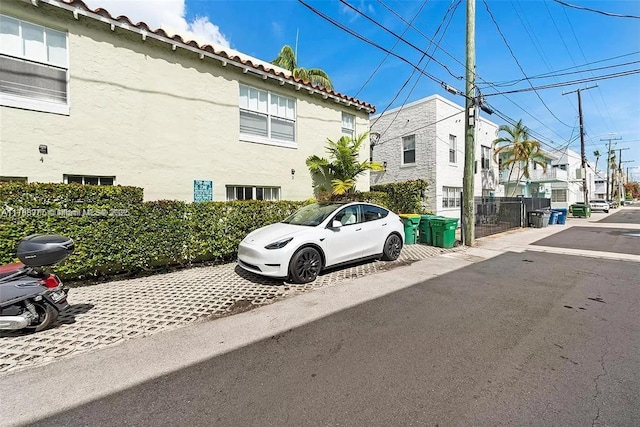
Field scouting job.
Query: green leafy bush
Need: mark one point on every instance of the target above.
(116, 232)
(404, 197)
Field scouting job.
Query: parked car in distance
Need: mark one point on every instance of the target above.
(613, 204)
(321, 235)
(599, 205)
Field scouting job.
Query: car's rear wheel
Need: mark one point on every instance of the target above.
(305, 265)
(392, 248)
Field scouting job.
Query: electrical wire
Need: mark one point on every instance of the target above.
(412, 131)
(518, 63)
(366, 40)
(465, 67)
(451, 9)
(424, 52)
(392, 48)
(589, 72)
(547, 76)
(570, 82)
(615, 15)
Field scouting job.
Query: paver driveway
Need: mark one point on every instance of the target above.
(112, 312)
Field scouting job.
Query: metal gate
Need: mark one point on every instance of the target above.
(498, 214)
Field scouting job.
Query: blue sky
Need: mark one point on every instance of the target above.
(544, 36)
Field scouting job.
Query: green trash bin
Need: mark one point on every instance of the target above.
(424, 229)
(411, 222)
(444, 232)
(580, 210)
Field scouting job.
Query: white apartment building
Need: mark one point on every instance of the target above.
(425, 140)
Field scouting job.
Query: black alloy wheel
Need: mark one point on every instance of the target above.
(305, 265)
(392, 248)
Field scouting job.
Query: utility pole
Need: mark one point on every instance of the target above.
(609, 162)
(583, 166)
(620, 189)
(468, 220)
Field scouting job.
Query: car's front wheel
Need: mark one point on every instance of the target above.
(392, 248)
(305, 265)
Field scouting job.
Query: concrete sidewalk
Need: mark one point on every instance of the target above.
(89, 376)
(111, 313)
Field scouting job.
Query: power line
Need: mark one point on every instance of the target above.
(464, 65)
(615, 15)
(366, 40)
(424, 52)
(392, 48)
(518, 63)
(452, 8)
(570, 82)
(548, 75)
(412, 131)
(551, 73)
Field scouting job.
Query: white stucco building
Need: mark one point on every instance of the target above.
(561, 181)
(86, 97)
(425, 140)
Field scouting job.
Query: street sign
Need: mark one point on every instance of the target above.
(202, 190)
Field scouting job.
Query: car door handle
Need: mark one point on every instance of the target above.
(384, 224)
(358, 229)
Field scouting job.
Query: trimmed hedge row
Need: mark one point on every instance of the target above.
(116, 232)
(404, 197)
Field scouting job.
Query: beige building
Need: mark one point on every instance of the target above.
(88, 98)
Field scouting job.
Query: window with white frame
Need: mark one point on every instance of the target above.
(558, 195)
(348, 125)
(34, 66)
(486, 157)
(453, 143)
(266, 116)
(408, 150)
(89, 180)
(247, 192)
(451, 197)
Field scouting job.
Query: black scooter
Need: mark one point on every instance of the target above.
(31, 298)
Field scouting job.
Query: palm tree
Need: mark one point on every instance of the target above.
(597, 156)
(287, 59)
(343, 167)
(518, 149)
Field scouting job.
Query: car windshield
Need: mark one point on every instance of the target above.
(312, 215)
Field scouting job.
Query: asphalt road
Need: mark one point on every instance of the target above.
(528, 338)
(623, 216)
(618, 240)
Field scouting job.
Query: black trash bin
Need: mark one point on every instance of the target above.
(537, 219)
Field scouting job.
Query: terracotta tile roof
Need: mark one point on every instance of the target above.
(219, 51)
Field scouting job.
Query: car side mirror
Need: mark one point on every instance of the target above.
(335, 224)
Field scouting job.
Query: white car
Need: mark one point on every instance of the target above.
(599, 205)
(319, 236)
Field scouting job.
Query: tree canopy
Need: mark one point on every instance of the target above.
(287, 59)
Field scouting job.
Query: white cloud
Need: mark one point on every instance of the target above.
(166, 14)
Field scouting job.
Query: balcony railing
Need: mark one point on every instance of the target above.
(536, 175)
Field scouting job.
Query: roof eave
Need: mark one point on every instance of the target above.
(203, 51)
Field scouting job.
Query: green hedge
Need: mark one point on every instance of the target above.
(404, 197)
(116, 232)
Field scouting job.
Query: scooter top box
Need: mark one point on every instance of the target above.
(39, 250)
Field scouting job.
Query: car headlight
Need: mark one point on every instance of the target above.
(279, 244)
